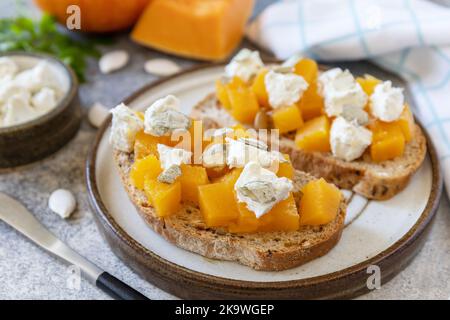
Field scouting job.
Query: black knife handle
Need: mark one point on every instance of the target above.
(117, 289)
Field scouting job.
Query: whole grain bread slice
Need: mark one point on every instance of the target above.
(268, 251)
(372, 180)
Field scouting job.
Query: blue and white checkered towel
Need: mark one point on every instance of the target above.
(408, 37)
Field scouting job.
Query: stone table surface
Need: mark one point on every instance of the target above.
(27, 272)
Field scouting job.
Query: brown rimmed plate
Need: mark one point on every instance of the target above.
(384, 234)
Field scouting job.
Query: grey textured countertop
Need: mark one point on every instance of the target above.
(27, 272)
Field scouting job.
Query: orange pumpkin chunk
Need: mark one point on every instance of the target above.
(259, 88)
(285, 169)
(406, 122)
(314, 135)
(244, 105)
(283, 217)
(165, 198)
(246, 222)
(142, 169)
(217, 204)
(319, 203)
(388, 141)
(222, 94)
(287, 119)
(193, 28)
(308, 69)
(192, 177)
(311, 104)
(146, 144)
(368, 83)
(230, 178)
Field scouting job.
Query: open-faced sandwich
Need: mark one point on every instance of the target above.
(356, 133)
(222, 193)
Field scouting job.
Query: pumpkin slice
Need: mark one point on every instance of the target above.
(287, 119)
(198, 29)
(388, 141)
(191, 178)
(146, 168)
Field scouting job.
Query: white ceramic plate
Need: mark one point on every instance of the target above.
(372, 227)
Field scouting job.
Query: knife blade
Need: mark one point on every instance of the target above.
(17, 216)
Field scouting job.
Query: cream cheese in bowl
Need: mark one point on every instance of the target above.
(39, 107)
(29, 88)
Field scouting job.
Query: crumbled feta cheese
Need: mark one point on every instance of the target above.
(348, 140)
(387, 102)
(260, 189)
(340, 89)
(353, 113)
(8, 68)
(173, 156)
(125, 125)
(171, 160)
(11, 89)
(163, 117)
(284, 89)
(18, 110)
(240, 153)
(215, 155)
(44, 100)
(62, 202)
(244, 65)
(42, 75)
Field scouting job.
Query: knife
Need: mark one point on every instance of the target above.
(18, 217)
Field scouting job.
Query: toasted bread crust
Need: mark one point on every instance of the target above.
(379, 181)
(268, 251)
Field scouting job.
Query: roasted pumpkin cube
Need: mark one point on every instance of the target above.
(287, 119)
(259, 88)
(192, 177)
(285, 169)
(314, 135)
(165, 198)
(198, 29)
(311, 104)
(244, 105)
(222, 94)
(319, 203)
(246, 222)
(230, 178)
(407, 124)
(146, 144)
(284, 216)
(217, 204)
(368, 83)
(388, 141)
(145, 168)
(308, 69)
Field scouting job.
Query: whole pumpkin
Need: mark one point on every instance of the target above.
(97, 15)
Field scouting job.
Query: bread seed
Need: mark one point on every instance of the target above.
(161, 67)
(62, 202)
(113, 61)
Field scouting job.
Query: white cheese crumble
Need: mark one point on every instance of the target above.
(173, 156)
(163, 117)
(8, 68)
(239, 153)
(260, 189)
(340, 89)
(387, 102)
(44, 100)
(348, 140)
(171, 161)
(125, 125)
(284, 89)
(27, 94)
(245, 65)
(215, 155)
